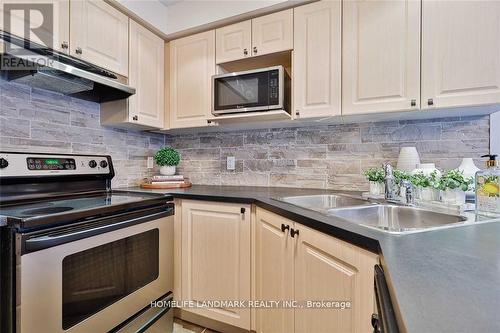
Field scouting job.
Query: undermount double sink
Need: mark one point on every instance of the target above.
(386, 217)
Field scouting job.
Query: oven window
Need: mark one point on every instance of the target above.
(96, 278)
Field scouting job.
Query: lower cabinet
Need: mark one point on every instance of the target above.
(215, 258)
(296, 262)
(221, 256)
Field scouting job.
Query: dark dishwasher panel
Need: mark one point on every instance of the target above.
(385, 321)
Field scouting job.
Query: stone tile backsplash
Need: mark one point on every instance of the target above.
(328, 156)
(323, 156)
(39, 121)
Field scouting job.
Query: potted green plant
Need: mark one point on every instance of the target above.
(453, 185)
(376, 178)
(167, 158)
(425, 185)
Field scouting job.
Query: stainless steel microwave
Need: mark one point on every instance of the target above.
(261, 89)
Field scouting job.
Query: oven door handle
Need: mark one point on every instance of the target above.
(44, 241)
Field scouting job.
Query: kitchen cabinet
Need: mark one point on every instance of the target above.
(215, 258)
(460, 53)
(381, 56)
(146, 108)
(317, 59)
(99, 34)
(233, 42)
(273, 271)
(55, 35)
(310, 266)
(272, 33)
(263, 35)
(192, 64)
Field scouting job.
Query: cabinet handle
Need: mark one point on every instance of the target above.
(245, 52)
(79, 50)
(255, 50)
(430, 101)
(243, 210)
(135, 118)
(294, 232)
(284, 227)
(64, 45)
(297, 113)
(413, 102)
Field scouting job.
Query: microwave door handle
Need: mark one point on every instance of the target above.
(46, 241)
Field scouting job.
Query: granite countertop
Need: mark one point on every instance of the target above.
(440, 281)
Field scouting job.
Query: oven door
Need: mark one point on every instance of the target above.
(255, 90)
(92, 284)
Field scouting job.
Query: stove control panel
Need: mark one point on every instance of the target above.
(28, 164)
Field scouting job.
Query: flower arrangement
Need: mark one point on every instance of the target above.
(375, 175)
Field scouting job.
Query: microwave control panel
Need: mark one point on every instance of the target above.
(274, 87)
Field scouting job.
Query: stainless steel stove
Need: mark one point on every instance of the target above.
(76, 255)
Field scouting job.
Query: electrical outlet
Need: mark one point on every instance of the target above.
(231, 163)
(150, 162)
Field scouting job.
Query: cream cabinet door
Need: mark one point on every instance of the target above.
(274, 271)
(460, 53)
(381, 56)
(56, 12)
(329, 269)
(216, 258)
(317, 59)
(192, 64)
(233, 42)
(272, 33)
(147, 72)
(99, 34)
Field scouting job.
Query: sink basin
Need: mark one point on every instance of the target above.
(397, 219)
(324, 202)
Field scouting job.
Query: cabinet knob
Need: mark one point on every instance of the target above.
(294, 232)
(64, 45)
(255, 50)
(297, 113)
(284, 227)
(243, 210)
(135, 118)
(430, 101)
(245, 52)
(413, 102)
(79, 50)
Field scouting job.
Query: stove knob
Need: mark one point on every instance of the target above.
(3, 163)
(92, 164)
(103, 164)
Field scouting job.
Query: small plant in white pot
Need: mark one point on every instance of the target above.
(167, 159)
(453, 186)
(376, 178)
(425, 185)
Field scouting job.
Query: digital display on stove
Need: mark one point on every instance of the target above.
(44, 164)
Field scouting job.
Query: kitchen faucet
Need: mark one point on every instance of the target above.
(391, 187)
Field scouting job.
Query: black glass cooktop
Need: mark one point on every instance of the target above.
(71, 208)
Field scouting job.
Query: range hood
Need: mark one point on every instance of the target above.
(32, 64)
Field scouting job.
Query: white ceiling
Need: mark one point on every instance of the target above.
(169, 2)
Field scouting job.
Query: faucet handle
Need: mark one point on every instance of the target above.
(408, 186)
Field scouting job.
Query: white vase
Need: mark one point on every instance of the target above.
(377, 188)
(454, 197)
(427, 169)
(408, 159)
(167, 170)
(468, 167)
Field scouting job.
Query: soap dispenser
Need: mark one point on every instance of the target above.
(488, 188)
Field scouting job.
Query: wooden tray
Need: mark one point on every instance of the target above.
(164, 186)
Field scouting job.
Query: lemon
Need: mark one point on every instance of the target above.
(491, 188)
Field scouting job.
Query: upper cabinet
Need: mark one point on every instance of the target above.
(272, 33)
(192, 64)
(99, 34)
(460, 53)
(147, 76)
(317, 59)
(381, 56)
(55, 35)
(263, 35)
(233, 42)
